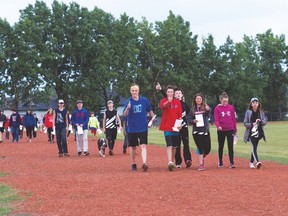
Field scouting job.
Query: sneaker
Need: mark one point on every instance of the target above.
(144, 167)
(232, 166)
(171, 166)
(124, 151)
(188, 163)
(86, 153)
(178, 166)
(60, 154)
(220, 165)
(134, 167)
(251, 165)
(201, 168)
(111, 152)
(79, 153)
(66, 154)
(258, 165)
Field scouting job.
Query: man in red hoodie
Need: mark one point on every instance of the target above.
(225, 121)
(172, 110)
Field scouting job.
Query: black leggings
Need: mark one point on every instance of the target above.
(221, 141)
(184, 135)
(254, 156)
(111, 135)
(29, 132)
(50, 135)
(203, 143)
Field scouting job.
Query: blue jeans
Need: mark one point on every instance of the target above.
(15, 133)
(61, 140)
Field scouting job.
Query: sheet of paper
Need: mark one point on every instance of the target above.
(178, 123)
(79, 130)
(200, 120)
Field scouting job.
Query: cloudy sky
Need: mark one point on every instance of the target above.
(217, 17)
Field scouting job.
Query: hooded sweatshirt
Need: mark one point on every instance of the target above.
(224, 116)
(80, 117)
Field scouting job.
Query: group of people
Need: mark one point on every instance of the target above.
(177, 115)
(16, 124)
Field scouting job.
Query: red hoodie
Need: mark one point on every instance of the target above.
(170, 113)
(224, 116)
(48, 120)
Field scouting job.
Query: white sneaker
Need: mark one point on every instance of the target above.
(178, 166)
(251, 165)
(258, 165)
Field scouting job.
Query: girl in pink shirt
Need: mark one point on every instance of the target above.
(225, 121)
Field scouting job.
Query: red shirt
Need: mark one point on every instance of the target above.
(170, 113)
(6, 125)
(48, 120)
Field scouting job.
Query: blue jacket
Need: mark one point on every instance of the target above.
(29, 120)
(80, 117)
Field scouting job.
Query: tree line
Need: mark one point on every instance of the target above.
(71, 52)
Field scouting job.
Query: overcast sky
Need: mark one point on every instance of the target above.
(217, 17)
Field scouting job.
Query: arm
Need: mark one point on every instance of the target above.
(66, 119)
(234, 120)
(97, 124)
(127, 107)
(216, 118)
(263, 119)
(119, 120)
(104, 121)
(247, 122)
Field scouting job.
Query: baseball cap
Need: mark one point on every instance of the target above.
(61, 101)
(79, 101)
(109, 101)
(254, 99)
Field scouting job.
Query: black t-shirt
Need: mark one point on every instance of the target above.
(111, 119)
(60, 118)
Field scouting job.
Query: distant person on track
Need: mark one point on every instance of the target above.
(171, 111)
(93, 124)
(29, 123)
(135, 110)
(254, 122)
(15, 121)
(48, 122)
(225, 121)
(3, 120)
(199, 117)
(7, 128)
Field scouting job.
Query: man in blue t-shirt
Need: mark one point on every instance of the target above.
(135, 110)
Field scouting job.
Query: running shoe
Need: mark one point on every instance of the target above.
(220, 165)
(124, 151)
(251, 165)
(111, 152)
(86, 153)
(79, 153)
(188, 163)
(66, 154)
(171, 166)
(201, 168)
(144, 167)
(232, 166)
(258, 165)
(60, 154)
(134, 167)
(178, 166)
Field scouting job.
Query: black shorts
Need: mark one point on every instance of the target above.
(134, 139)
(1, 129)
(173, 141)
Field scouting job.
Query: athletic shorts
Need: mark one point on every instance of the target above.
(134, 139)
(93, 130)
(172, 139)
(1, 129)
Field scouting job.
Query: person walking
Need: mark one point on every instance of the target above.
(48, 123)
(136, 108)
(93, 124)
(80, 119)
(110, 121)
(7, 128)
(199, 117)
(171, 111)
(29, 123)
(225, 121)
(15, 121)
(254, 123)
(3, 120)
(60, 123)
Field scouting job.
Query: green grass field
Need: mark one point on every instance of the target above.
(275, 149)
(7, 197)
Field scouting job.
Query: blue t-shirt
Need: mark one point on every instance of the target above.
(137, 117)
